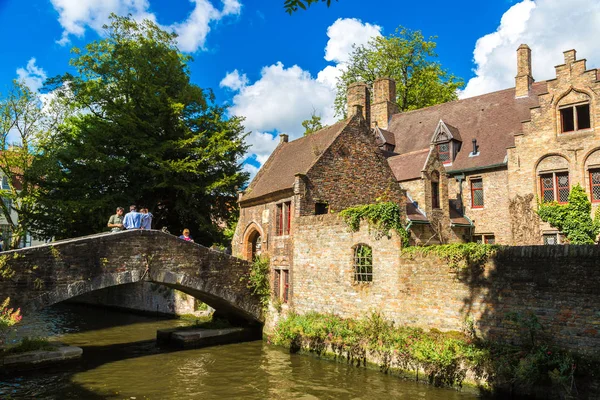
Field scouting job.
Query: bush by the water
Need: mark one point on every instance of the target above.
(444, 356)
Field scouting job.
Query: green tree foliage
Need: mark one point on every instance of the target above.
(408, 58)
(143, 135)
(291, 6)
(574, 218)
(25, 126)
(312, 125)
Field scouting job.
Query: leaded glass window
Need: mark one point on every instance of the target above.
(595, 184)
(555, 187)
(476, 193)
(444, 151)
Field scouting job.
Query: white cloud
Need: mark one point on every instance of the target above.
(32, 75)
(234, 81)
(549, 27)
(283, 96)
(75, 16)
(346, 33)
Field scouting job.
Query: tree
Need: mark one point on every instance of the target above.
(291, 6)
(574, 218)
(313, 124)
(26, 124)
(143, 135)
(409, 59)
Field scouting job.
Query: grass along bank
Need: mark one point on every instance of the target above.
(441, 358)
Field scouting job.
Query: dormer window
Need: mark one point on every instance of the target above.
(447, 140)
(444, 151)
(575, 118)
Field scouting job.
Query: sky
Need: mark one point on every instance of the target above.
(275, 70)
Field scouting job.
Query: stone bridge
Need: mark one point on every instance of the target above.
(48, 274)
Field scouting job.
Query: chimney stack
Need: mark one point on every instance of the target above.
(358, 95)
(570, 56)
(384, 102)
(283, 138)
(524, 78)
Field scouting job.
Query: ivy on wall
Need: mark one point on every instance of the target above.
(457, 255)
(574, 218)
(384, 217)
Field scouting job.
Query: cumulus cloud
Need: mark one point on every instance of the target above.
(77, 15)
(234, 81)
(32, 75)
(549, 27)
(283, 96)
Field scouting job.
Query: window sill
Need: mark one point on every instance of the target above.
(575, 134)
(477, 208)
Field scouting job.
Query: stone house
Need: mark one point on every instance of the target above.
(468, 170)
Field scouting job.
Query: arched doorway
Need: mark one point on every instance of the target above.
(254, 245)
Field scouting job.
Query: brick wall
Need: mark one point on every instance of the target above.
(556, 283)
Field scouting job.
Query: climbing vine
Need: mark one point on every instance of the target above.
(384, 217)
(574, 218)
(458, 255)
(259, 279)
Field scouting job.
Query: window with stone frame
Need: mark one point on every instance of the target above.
(281, 284)
(363, 263)
(476, 193)
(595, 185)
(283, 218)
(321, 208)
(575, 117)
(484, 238)
(551, 238)
(435, 189)
(554, 186)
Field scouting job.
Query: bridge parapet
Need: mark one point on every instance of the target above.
(47, 274)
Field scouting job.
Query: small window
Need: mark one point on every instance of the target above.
(595, 185)
(5, 185)
(477, 193)
(551, 238)
(281, 284)
(435, 190)
(555, 187)
(444, 152)
(487, 238)
(283, 218)
(575, 118)
(321, 208)
(363, 263)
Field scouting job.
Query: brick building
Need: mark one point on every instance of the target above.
(467, 170)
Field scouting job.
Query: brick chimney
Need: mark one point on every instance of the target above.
(384, 102)
(524, 79)
(358, 95)
(283, 138)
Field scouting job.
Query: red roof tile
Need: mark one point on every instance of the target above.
(288, 159)
(491, 118)
(408, 166)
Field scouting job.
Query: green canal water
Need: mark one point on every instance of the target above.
(122, 361)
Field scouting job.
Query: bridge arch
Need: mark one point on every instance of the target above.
(48, 274)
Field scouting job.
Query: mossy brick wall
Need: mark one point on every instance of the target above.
(44, 275)
(558, 284)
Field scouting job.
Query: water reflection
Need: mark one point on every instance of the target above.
(121, 361)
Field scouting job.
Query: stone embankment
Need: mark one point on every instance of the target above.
(185, 338)
(39, 359)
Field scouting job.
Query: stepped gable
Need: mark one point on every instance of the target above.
(291, 158)
(409, 166)
(491, 118)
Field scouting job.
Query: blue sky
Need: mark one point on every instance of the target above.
(275, 69)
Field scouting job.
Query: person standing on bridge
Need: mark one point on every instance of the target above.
(133, 219)
(115, 222)
(146, 219)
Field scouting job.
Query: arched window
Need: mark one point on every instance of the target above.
(435, 189)
(256, 242)
(363, 263)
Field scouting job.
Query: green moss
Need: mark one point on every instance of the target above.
(29, 344)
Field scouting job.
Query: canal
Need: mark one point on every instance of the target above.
(122, 361)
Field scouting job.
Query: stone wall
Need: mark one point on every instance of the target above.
(556, 283)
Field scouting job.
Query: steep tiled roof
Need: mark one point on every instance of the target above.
(413, 213)
(455, 215)
(491, 118)
(408, 166)
(288, 159)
